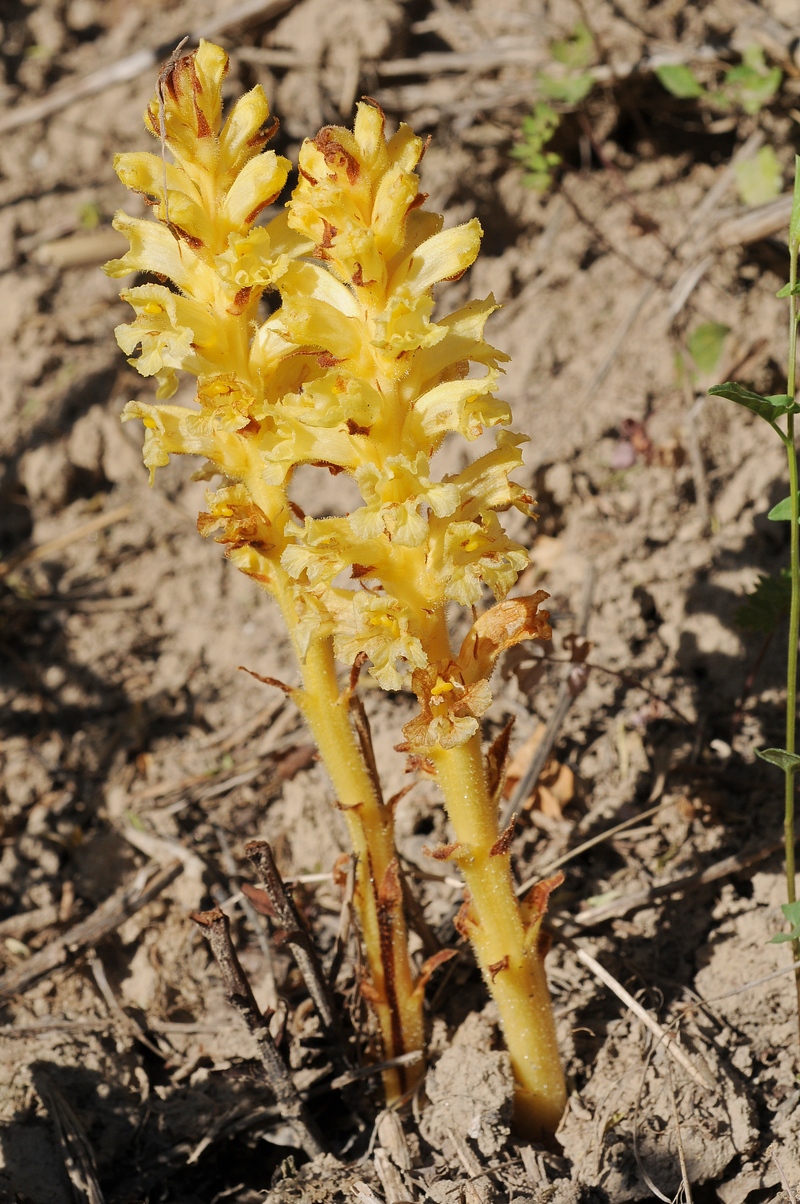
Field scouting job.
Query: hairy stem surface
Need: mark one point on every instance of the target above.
(378, 897)
(508, 950)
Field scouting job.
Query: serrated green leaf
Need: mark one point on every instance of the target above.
(537, 130)
(577, 50)
(752, 84)
(791, 912)
(794, 220)
(679, 80)
(759, 180)
(767, 604)
(705, 344)
(788, 762)
(568, 91)
(769, 408)
(782, 513)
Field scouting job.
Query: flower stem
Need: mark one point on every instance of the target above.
(396, 1000)
(794, 614)
(508, 950)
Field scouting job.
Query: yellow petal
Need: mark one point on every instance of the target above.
(458, 405)
(405, 148)
(154, 249)
(309, 280)
(368, 133)
(484, 484)
(444, 257)
(142, 171)
(241, 135)
(313, 323)
(256, 186)
(396, 192)
(192, 106)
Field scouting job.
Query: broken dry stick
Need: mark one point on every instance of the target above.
(216, 927)
(99, 924)
(274, 902)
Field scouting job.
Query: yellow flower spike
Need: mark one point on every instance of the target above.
(265, 404)
(417, 544)
(378, 626)
(192, 109)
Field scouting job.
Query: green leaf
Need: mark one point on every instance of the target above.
(792, 913)
(577, 50)
(767, 604)
(788, 291)
(752, 84)
(794, 220)
(759, 180)
(782, 512)
(769, 408)
(537, 130)
(679, 81)
(788, 762)
(569, 91)
(706, 343)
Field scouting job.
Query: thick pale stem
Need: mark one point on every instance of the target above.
(511, 963)
(378, 897)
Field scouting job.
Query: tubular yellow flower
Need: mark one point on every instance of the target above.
(263, 405)
(401, 384)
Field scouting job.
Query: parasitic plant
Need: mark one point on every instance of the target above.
(352, 374)
(206, 243)
(398, 383)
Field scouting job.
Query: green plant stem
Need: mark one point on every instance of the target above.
(794, 613)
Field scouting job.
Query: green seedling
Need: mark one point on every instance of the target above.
(539, 163)
(569, 86)
(759, 180)
(749, 86)
(705, 344)
(768, 604)
(779, 412)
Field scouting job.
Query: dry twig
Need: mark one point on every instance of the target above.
(663, 1036)
(28, 922)
(478, 1189)
(367, 1072)
(76, 1151)
(115, 1007)
(687, 1187)
(760, 222)
(552, 866)
(216, 927)
(782, 1174)
(257, 922)
(720, 869)
(566, 694)
(274, 902)
(695, 222)
(134, 65)
(43, 550)
(108, 917)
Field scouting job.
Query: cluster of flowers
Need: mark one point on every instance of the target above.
(349, 373)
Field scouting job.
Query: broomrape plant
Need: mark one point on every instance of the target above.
(351, 374)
